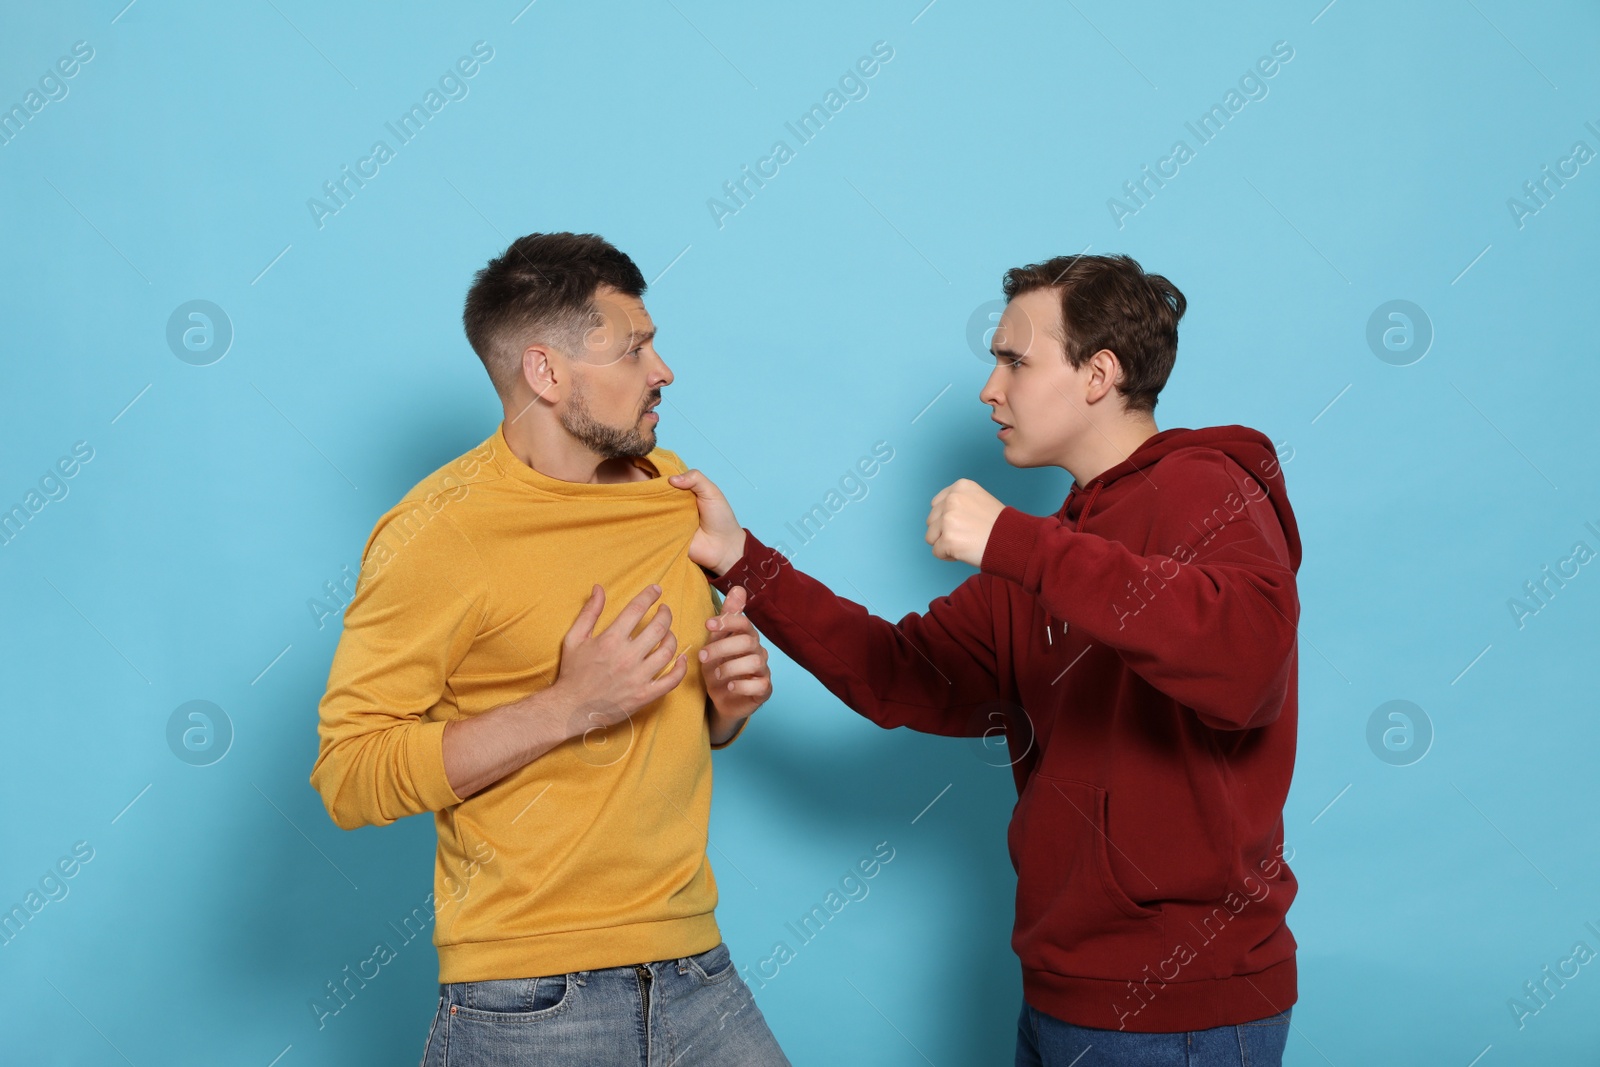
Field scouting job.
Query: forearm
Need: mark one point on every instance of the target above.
(1216, 633)
(482, 749)
(931, 673)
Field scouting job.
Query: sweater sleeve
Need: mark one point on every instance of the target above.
(410, 623)
(1212, 625)
(935, 673)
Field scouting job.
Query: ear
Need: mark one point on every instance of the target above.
(1105, 371)
(543, 372)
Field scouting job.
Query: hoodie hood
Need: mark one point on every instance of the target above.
(1250, 449)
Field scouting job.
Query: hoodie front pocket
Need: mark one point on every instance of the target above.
(1072, 915)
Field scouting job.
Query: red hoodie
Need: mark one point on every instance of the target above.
(1137, 648)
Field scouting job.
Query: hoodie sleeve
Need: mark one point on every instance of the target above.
(1211, 623)
(935, 673)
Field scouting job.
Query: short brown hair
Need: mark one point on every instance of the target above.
(1110, 302)
(541, 289)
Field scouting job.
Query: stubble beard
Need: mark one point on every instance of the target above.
(609, 441)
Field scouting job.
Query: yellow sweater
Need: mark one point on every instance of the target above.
(593, 855)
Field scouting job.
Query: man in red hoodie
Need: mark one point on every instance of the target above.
(1138, 648)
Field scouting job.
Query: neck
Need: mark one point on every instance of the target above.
(1103, 447)
(540, 441)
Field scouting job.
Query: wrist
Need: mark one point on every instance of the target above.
(550, 715)
(723, 727)
(732, 557)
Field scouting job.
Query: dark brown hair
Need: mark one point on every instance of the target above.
(541, 290)
(1110, 302)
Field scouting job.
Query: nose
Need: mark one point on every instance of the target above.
(664, 374)
(990, 393)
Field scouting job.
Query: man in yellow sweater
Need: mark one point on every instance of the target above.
(491, 671)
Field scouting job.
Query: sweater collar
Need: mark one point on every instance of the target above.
(514, 468)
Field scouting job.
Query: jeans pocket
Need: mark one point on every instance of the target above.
(713, 965)
(512, 1000)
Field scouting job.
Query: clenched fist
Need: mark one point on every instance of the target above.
(959, 523)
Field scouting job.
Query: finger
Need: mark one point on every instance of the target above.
(760, 688)
(582, 627)
(634, 610)
(751, 666)
(669, 681)
(659, 654)
(722, 648)
(729, 624)
(659, 624)
(702, 487)
(736, 600)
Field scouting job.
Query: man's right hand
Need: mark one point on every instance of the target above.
(601, 681)
(608, 676)
(719, 543)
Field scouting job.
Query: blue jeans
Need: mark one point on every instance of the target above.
(1045, 1041)
(670, 1013)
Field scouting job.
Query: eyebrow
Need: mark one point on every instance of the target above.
(635, 337)
(1006, 353)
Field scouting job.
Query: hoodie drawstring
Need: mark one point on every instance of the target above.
(1082, 515)
(1087, 504)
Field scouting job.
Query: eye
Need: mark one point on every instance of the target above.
(636, 351)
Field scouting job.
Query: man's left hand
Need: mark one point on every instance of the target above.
(734, 666)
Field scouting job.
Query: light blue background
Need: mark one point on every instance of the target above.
(826, 315)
